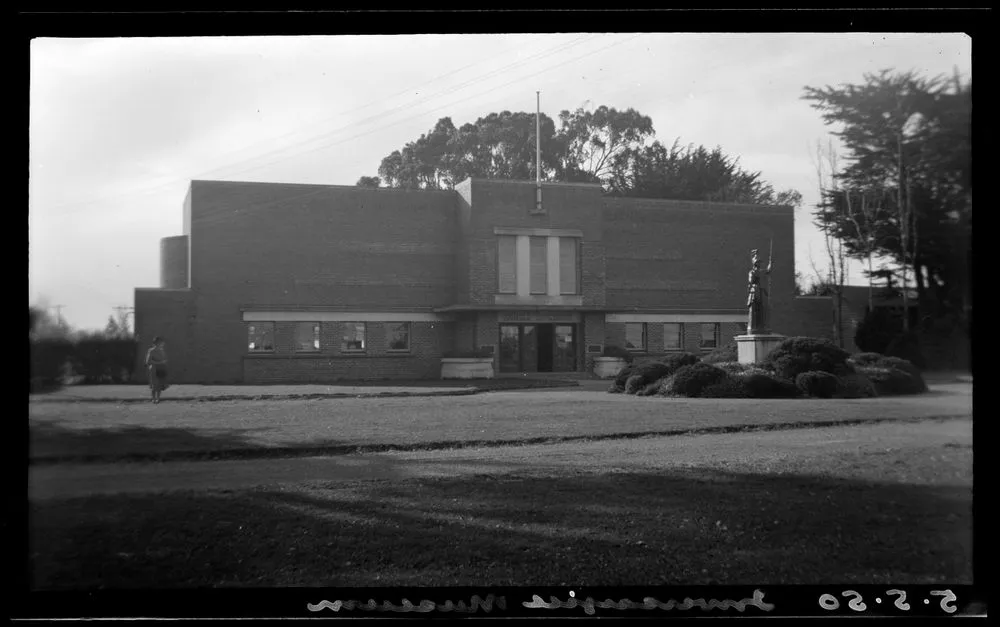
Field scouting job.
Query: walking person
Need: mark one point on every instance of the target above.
(156, 364)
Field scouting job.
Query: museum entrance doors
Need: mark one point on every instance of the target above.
(537, 348)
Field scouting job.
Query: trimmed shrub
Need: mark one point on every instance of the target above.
(796, 355)
(875, 360)
(730, 387)
(617, 351)
(727, 353)
(855, 385)
(649, 389)
(690, 380)
(866, 358)
(652, 371)
(768, 385)
(893, 381)
(817, 383)
(665, 386)
(614, 389)
(634, 384)
(876, 330)
(907, 346)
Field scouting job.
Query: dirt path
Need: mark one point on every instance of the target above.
(802, 446)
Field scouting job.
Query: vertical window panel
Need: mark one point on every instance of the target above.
(354, 337)
(635, 336)
(260, 337)
(539, 264)
(507, 264)
(568, 266)
(673, 339)
(307, 337)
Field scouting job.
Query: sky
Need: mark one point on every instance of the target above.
(120, 126)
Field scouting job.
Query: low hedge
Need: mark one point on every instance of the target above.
(817, 383)
(634, 384)
(652, 371)
(730, 387)
(893, 381)
(796, 355)
(876, 360)
(769, 385)
(855, 385)
(727, 353)
(690, 380)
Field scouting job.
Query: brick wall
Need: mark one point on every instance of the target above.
(428, 341)
(690, 337)
(687, 255)
(256, 244)
(491, 204)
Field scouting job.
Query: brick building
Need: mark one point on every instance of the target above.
(317, 283)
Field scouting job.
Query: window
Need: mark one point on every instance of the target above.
(709, 335)
(507, 264)
(635, 336)
(354, 337)
(673, 336)
(539, 264)
(307, 337)
(398, 336)
(260, 337)
(568, 269)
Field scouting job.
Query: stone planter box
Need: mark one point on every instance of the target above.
(467, 368)
(608, 367)
(754, 348)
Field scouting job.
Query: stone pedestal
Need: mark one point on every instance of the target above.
(753, 348)
(608, 367)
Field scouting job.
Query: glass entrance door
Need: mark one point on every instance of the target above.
(510, 348)
(564, 349)
(537, 348)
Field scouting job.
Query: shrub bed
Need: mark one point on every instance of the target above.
(796, 355)
(817, 383)
(690, 380)
(769, 385)
(855, 385)
(876, 360)
(893, 381)
(652, 371)
(727, 353)
(730, 387)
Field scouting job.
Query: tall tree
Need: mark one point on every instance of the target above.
(696, 173)
(601, 145)
(909, 152)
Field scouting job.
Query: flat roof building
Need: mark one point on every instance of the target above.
(278, 282)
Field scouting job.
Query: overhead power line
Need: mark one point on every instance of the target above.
(372, 118)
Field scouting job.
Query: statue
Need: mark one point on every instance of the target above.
(757, 297)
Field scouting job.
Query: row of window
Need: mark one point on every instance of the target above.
(538, 264)
(307, 337)
(673, 335)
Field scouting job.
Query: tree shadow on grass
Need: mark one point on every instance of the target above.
(49, 441)
(704, 526)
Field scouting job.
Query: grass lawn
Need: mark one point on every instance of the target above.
(82, 431)
(867, 504)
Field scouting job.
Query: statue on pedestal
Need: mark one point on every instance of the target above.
(757, 297)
